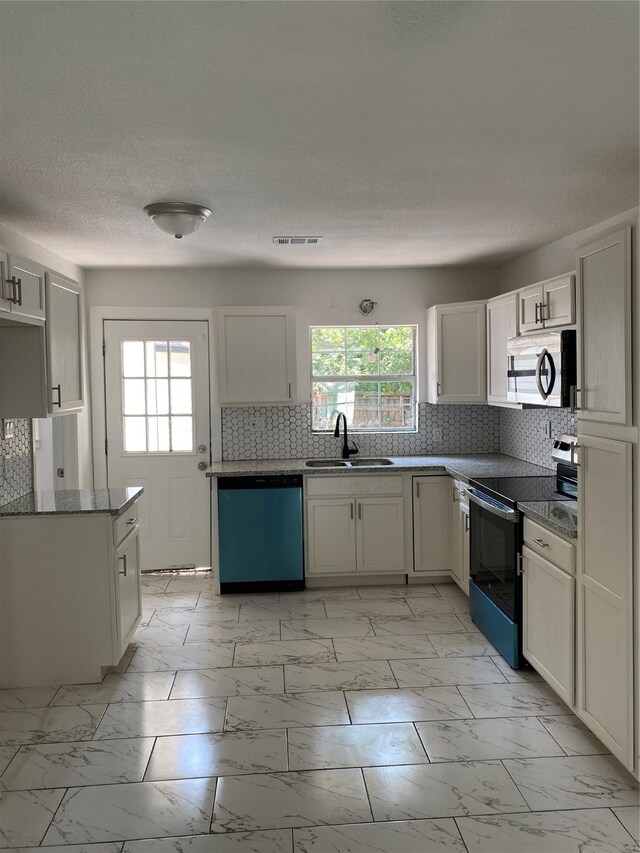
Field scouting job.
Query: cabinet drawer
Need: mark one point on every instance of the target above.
(124, 523)
(553, 548)
(353, 486)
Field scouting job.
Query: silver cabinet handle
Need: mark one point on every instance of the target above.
(454, 493)
(57, 402)
(544, 307)
(360, 511)
(541, 543)
(289, 390)
(418, 489)
(351, 509)
(132, 520)
(16, 287)
(438, 389)
(573, 399)
(537, 312)
(466, 524)
(572, 456)
(124, 560)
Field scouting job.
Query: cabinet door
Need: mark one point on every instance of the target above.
(502, 324)
(530, 300)
(331, 536)
(466, 548)
(559, 301)
(605, 699)
(548, 607)
(380, 534)
(257, 355)
(5, 287)
(461, 353)
(431, 525)
(604, 329)
(456, 534)
(64, 342)
(28, 288)
(128, 602)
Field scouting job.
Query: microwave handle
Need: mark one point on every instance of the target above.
(544, 356)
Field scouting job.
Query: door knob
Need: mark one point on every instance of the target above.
(202, 448)
(202, 466)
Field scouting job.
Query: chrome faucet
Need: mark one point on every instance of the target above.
(346, 450)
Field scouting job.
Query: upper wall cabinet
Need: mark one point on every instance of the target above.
(456, 353)
(64, 344)
(27, 288)
(502, 324)
(548, 304)
(604, 329)
(257, 355)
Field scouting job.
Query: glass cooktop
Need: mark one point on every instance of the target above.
(510, 490)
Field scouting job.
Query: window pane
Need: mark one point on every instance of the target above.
(327, 339)
(157, 358)
(158, 396)
(367, 405)
(362, 364)
(158, 431)
(133, 402)
(399, 337)
(396, 363)
(182, 434)
(180, 358)
(132, 358)
(135, 437)
(328, 364)
(362, 339)
(180, 396)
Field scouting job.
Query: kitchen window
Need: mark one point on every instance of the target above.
(367, 372)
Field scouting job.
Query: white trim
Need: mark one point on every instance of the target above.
(97, 315)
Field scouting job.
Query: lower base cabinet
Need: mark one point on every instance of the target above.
(432, 525)
(70, 598)
(353, 527)
(548, 605)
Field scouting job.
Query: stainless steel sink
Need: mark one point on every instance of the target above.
(352, 463)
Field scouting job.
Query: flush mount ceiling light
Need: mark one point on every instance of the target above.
(177, 217)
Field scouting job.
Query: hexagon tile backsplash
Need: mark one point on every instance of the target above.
(20, 448)
(286, 433)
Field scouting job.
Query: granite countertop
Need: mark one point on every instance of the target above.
(461, 467)
(559, 516)
(73, 502)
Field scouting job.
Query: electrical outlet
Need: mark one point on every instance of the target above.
(8, 467)
(9, 429)
(256, 424)
(437, 435)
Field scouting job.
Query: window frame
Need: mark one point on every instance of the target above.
(352, 378)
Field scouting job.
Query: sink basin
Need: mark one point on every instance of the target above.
(370, 463)
(326, 463)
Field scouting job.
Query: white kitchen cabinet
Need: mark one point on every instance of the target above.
(548, 304)
(356, 525)
(23, 369)
(5, 287)
(502, 324)
(64, 344)
(71, 599)
(331, 536)
(26, 279)
(604, 329)
(432, 499)
(257, 355)
(456, 353)
(548, 615)
(605, 637)
(460, 556)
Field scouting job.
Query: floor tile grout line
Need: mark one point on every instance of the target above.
(612, 809)
(540, 720)
(516, 784)
(53, 816)
(464, 843)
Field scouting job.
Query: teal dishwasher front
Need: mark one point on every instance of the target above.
(260, 534)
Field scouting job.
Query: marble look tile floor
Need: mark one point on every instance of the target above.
(355, 720)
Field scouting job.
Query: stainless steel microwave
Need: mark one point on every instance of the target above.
(542, 369)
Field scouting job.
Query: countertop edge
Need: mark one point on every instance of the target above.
(567, 531)
(114, 512)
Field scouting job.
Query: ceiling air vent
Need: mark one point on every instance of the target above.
(297, 241)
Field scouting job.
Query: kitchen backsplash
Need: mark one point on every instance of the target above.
(20, 448)
(522, 433)
(285, 433)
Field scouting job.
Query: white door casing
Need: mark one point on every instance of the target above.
(158, 429)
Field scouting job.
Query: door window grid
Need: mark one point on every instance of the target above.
(157, 396)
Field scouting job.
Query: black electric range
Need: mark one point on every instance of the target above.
(496, 534)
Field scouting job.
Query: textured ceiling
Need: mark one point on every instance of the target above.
(405, 133)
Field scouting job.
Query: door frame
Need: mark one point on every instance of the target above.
(98, 314)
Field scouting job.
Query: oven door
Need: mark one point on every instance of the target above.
(495, 544)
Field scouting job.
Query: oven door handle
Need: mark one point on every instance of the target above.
(476, 497)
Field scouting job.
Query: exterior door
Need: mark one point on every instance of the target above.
(158, 431)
